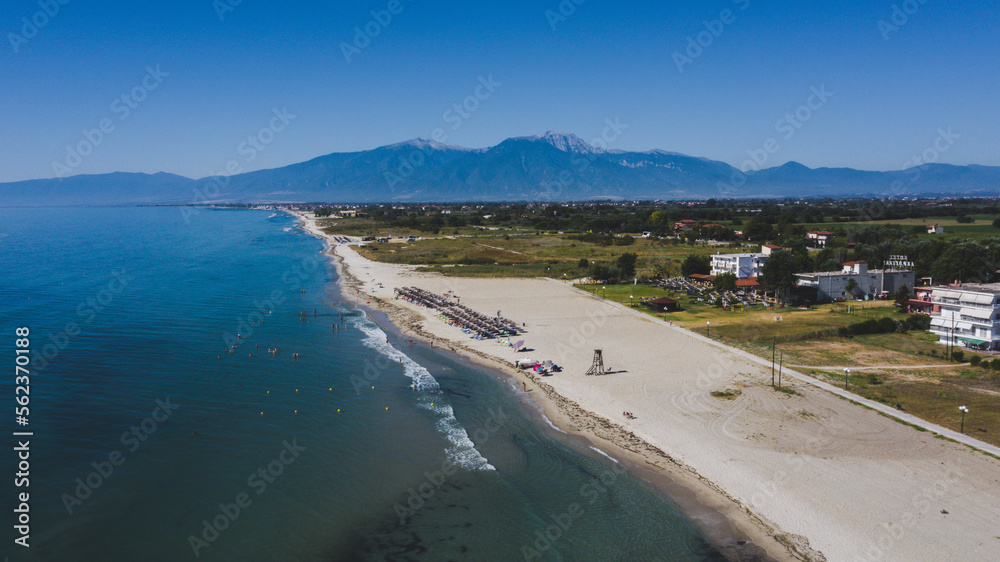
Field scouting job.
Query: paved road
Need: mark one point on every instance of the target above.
(854, 368)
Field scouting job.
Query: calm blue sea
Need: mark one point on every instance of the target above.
(164, 429)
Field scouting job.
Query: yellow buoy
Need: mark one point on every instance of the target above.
(338, 409)
(296, 390)
(373, 388)
(296, 411)
(331, 388)
(386, 408)
(262, 413)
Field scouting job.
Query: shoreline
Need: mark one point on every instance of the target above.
(730, 527)
(805, 474)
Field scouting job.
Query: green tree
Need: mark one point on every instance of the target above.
(756, 230)
(323, 212)
(626, 264)
(901, 295)
(996, 223)
(583, 263)
(852, 284)
(779, 271)
(696, 264)
(725, 282)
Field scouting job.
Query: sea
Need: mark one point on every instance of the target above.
(199, 389)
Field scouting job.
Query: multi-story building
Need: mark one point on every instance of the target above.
(819, 237)
(836, 285)
(742, 265)
(968, 315)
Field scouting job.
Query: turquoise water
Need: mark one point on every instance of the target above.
(357, 449)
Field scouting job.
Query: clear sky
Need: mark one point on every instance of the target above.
(218, 80)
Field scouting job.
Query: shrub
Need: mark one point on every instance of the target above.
(476, 261)
(917, 322)
(974, 360)
(995, 364)
(872, 326)
(583, 263)
(958, 355)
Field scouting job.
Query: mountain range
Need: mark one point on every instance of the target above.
(549, 167)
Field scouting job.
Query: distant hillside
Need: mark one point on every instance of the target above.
(553, 166)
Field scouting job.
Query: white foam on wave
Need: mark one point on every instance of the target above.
(462, 451)
(287, 228)
(605, 454)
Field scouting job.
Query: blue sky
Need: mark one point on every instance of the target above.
(217, 81)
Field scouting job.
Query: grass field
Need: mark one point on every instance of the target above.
(934, 395)
(981, 228)
(489, 253)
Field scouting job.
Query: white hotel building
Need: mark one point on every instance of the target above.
(967, 315)
(742, 265)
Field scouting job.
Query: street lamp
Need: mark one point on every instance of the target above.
(604, 292)
(847, 375)
(964, 411)
(630, 301)
(709, 328)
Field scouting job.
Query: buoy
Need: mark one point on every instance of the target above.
(338, 409)
(296, 390)
(296, 411)
(373, 388)
(262, 413)
(269, 392)
(331, 388)
(386, 408)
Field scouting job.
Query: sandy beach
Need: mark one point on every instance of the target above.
(806, 476)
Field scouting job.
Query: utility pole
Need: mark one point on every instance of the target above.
(774, 339)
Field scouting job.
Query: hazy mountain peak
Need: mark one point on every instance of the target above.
(566, 142)
(424, 144)
(793, 165)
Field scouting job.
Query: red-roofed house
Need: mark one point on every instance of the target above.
(819, 237)
(686, 224)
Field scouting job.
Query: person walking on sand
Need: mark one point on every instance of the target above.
(524, 387)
